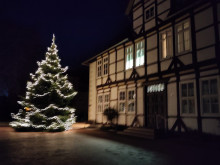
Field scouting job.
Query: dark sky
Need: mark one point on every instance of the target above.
(82, 28)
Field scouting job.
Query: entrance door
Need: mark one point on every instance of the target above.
(156, 110)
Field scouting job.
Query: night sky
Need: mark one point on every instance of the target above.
(82, 29)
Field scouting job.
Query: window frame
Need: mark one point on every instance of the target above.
(106, 102)
(105, 65)
(142, 53)
(188, 98)
(150, 13)
(100, 103)
(218, 95)
(122, 101)
(131, 101)
(183, 41)
(129, 64)
(161, 44)
(99, 68)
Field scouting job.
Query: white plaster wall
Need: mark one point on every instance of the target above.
(99, 81)
(191, 123)
(92, 92)
(163, 6)
(203, 40)
(137, 13)
(112, 57)
(163, 16)
(114, 93)
(138, 22)
(130, 119)
(112, 68)
(141, 121)
(172, 99)
(128, 73)
(211, 126)
(149, 24)
(210, 72)
(152, 42)
(120, 54)
(206, 54)
(147, 3)
(165, 64)
(120, 66)
(203, 18)
(112, 77)
(104, 79)
(121, 119)
(140, 100)
(171, 122)
(138, 30)
(152, 56)
(99, 118)
(152, 69)
(186, 59)
(140, 71)
(120, 76)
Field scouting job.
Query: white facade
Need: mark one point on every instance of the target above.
(166, 79)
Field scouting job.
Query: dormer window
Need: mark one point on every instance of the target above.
(149, 13)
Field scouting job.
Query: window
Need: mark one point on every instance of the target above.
(99, 103)
(121, 101)
(209, 96)
(166, 44)
(149, 13)
(140, 53)
(99, 68)
(106, 101)
(187, 98)
(105, 65)
(129, 57)
(183, 37)
(131, 101)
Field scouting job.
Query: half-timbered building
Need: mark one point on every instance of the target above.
(167, 76)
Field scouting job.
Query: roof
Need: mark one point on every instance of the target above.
(86, 63)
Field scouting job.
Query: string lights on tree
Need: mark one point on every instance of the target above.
(49, 93)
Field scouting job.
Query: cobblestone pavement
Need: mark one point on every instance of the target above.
(94, 147)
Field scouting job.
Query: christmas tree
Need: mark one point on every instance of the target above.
(49, 94)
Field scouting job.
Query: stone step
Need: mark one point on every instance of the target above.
(145, 133)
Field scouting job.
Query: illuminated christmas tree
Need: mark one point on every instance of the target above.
(45, 106)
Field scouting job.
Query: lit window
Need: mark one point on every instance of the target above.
(121, 102)
(209, 96)
(105, 65)
(183, 37)
(99, 68)
(140, 53)
(166, 44)
(129, 57)
(187, 98)
(149, 13)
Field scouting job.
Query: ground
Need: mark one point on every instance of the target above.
(89, 146)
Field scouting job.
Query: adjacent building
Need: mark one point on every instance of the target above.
(167, 76)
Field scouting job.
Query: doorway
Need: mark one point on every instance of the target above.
(156, 110)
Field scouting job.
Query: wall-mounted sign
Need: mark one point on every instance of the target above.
(155, 88)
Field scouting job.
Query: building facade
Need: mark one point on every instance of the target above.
(167, 77)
